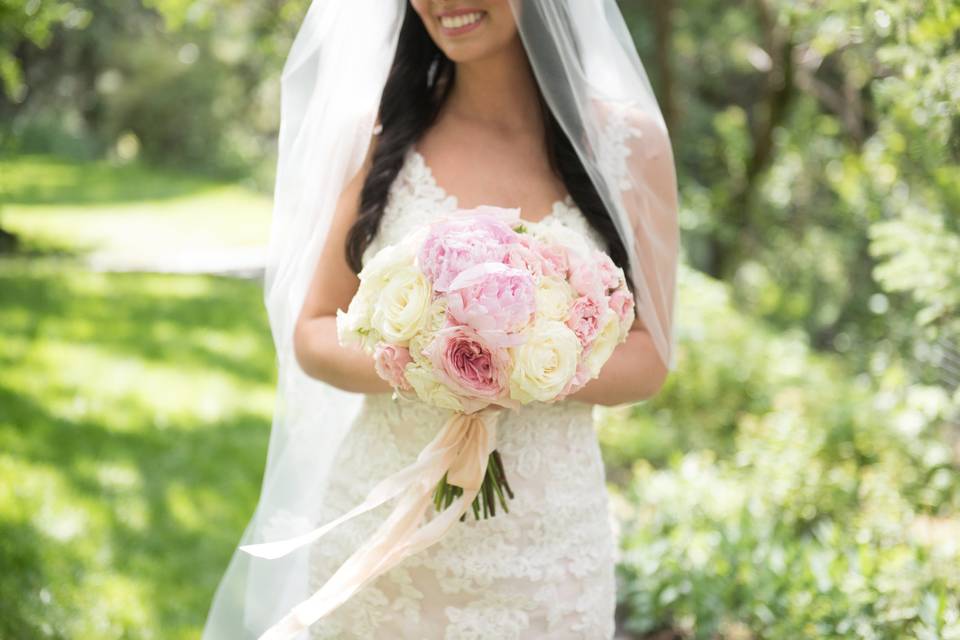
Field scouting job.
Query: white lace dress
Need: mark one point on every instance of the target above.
(543, 570)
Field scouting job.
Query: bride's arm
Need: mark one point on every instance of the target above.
(332, 287)
(635, 371)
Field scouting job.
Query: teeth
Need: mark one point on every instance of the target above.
(455, 22)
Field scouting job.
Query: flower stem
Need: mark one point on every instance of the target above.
(491, 491)
(503, 501)
(439, 491)
(502, 477)
(487, 487)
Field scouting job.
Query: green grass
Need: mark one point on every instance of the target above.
(126, 211)
(134, 408)
(134, 413)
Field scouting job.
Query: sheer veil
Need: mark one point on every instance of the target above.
(591, 77)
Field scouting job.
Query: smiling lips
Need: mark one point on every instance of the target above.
(461, 22)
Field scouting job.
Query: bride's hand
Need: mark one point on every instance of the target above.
(633, 373)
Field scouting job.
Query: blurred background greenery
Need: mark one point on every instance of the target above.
(796, 478)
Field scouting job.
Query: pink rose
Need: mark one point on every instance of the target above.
(609, 272)
(467, 364)
(460, 243)
(493, 296)
(621, 301)
(585, 277)
(584, 319)
(390, 361)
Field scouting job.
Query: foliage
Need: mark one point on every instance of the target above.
(182, 83)
(812, 503)
(805, 133)
(31, 21)
(917, 241)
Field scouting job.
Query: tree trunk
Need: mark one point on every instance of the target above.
(663, 25)
(8, 241)
(770, 112)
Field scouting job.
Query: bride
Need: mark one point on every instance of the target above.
(515, 103)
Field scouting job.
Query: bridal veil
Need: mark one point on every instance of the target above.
(587, 68)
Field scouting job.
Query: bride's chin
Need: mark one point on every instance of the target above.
(470, 51)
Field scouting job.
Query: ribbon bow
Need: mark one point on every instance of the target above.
(460, 449)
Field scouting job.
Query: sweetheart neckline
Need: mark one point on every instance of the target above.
(566, 201)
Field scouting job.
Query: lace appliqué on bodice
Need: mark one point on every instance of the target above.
(543, 570)
(415, 198)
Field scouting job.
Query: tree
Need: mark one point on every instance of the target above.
(24, 23)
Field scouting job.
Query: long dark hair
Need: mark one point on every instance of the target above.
(417, 87)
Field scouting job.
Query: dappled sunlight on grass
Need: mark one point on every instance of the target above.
(128, 212)
(134, 417)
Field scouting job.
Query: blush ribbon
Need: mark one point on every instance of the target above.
(460, 449)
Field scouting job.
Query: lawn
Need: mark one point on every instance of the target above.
(129, 213)
(134, 407)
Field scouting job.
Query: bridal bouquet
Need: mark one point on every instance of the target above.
(482, 309)
(477, 313)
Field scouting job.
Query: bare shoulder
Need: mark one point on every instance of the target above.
(644, 130)
(633, 124)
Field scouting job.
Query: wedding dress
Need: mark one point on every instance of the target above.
(543, 570)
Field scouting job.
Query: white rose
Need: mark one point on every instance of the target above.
(554, 298)
(545, 363)
(436, 315)
(603, 345)
(436, 318)
(417, 344)
(401, 308)
(429, 389)
(353, 325)
(386, 262)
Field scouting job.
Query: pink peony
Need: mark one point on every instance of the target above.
(554, 260)
(467, 364)
(578, 381)
(609, 272)
(621, 301)
(585, 315)
(585, 277)
(493, 296)
(457, 244)
(525, 254)
(507, 215)
(390, 360)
